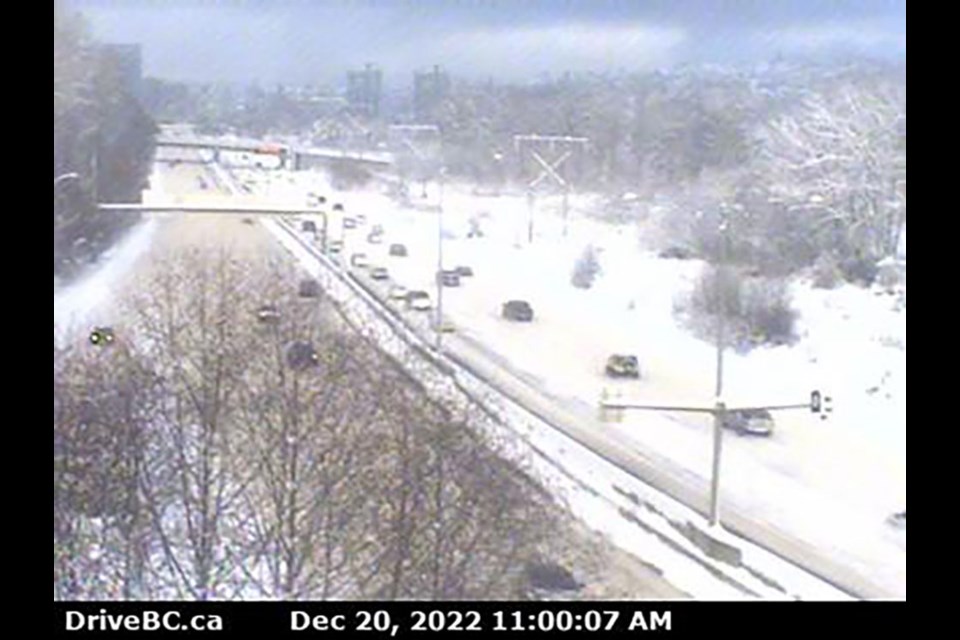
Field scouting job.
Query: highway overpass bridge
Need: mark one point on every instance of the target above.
(291, 157)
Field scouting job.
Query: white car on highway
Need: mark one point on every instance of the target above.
(419, 301)
(359, 261)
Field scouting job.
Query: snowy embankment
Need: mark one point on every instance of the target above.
(81, 304)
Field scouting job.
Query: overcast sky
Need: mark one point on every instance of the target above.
(290, 41)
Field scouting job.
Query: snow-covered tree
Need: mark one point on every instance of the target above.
(839, 159)
(586, 269)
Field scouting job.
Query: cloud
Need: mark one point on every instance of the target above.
(301, 41)
(861, 36)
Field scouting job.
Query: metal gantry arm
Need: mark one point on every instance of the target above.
(818, 404)
(823, 409)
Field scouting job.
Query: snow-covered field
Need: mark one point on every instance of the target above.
(831, 483)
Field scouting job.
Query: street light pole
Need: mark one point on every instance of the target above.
(438, 328)
(57, 182)
(719, 406)
(63, 178)
(530, 206)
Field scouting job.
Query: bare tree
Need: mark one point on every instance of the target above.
(102, 401)
(189, 318)
(306, 436)
(249, 475)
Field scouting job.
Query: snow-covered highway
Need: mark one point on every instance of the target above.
(546, 376)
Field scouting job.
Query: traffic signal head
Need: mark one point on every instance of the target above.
(101, 336)
(820, 404)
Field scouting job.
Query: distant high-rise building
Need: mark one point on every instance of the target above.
(429, 90)
(363, 90)
(127, 62)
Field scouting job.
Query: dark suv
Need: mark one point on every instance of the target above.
(302, 355)
(308, 226)
(623, 366)
(309, 289)
(899, 520)
(754, 422)
(448, 278)
(518, 311)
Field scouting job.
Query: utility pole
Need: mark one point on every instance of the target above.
(416, 138)
(561, 148)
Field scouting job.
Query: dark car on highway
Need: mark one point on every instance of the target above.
(309, 226)
(517, 310)
(309, 289)
(676, 253)
(301, 355)
(448, 278)
(623, 366)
